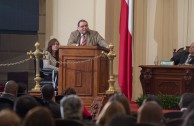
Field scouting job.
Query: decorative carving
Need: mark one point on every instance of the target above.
(188, 75)
(172, 80)
(98, 104)
(167, 87)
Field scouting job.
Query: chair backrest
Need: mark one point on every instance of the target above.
(174, 122)
(6, 104)
(173, 115)
(144, 124)
(176, 52)
(65, 122)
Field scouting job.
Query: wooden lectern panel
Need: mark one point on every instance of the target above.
(84, 70)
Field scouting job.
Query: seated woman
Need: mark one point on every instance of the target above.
(53, 55)
(51, 60)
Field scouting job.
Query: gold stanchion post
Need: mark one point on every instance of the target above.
(111, 55)
(37, 54)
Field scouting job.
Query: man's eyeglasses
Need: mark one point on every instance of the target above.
(83, 26)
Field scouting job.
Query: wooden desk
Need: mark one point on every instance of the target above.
(172, 80)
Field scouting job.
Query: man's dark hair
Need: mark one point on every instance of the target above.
(82, 20)
(47, 91)
(186, 99)
(21, 88)
(23, 104)
(69, 91)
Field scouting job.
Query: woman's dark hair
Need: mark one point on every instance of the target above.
(49, 48)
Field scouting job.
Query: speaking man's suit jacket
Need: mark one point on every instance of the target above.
(93, 39)
(181, 58)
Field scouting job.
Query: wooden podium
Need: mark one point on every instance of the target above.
(84, 70)
(171, 80)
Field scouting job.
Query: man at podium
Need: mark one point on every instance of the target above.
(185, 57)
(83, 36)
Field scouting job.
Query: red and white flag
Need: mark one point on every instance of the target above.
(125, 51)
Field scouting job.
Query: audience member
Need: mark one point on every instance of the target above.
(121, 120)
(71, 107)
(189, 119)
(10, 90)
(150, 112)
(83, 36)
(9, 118)
(189, 109)
(185, 100)
(153, 98)
(23, 104)
(48, 96)
(39, 116)
(71, 91)
(110, 109)
(185, 57)
(22, 89)
(123, 100)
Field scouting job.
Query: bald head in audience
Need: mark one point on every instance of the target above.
(11, 87)
(10, 91)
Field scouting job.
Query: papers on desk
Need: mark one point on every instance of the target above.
(166, 63)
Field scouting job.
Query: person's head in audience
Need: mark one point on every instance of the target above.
(123, 100)
(185, 100)
(150, 112)
(121, 120)
(11, 87)
(9, 118)
(69, 91)
(110, 109)
(39, 116)
(71, 107)
(189, 109)
(48, 92)
(23, 104)
(22, 89)
(189, 119)
(153, 98)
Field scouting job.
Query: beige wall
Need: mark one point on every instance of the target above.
(66, 14)
(159, 27)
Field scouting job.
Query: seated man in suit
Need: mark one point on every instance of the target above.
(10, 90)
(185, 57)
(83, 36)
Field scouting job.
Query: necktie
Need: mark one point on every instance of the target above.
(188, 59)
(83, 43)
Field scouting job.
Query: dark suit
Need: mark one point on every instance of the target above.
(181, 58)
(8, 96)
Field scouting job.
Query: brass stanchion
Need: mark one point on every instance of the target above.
(37, 54)
(111, 55)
